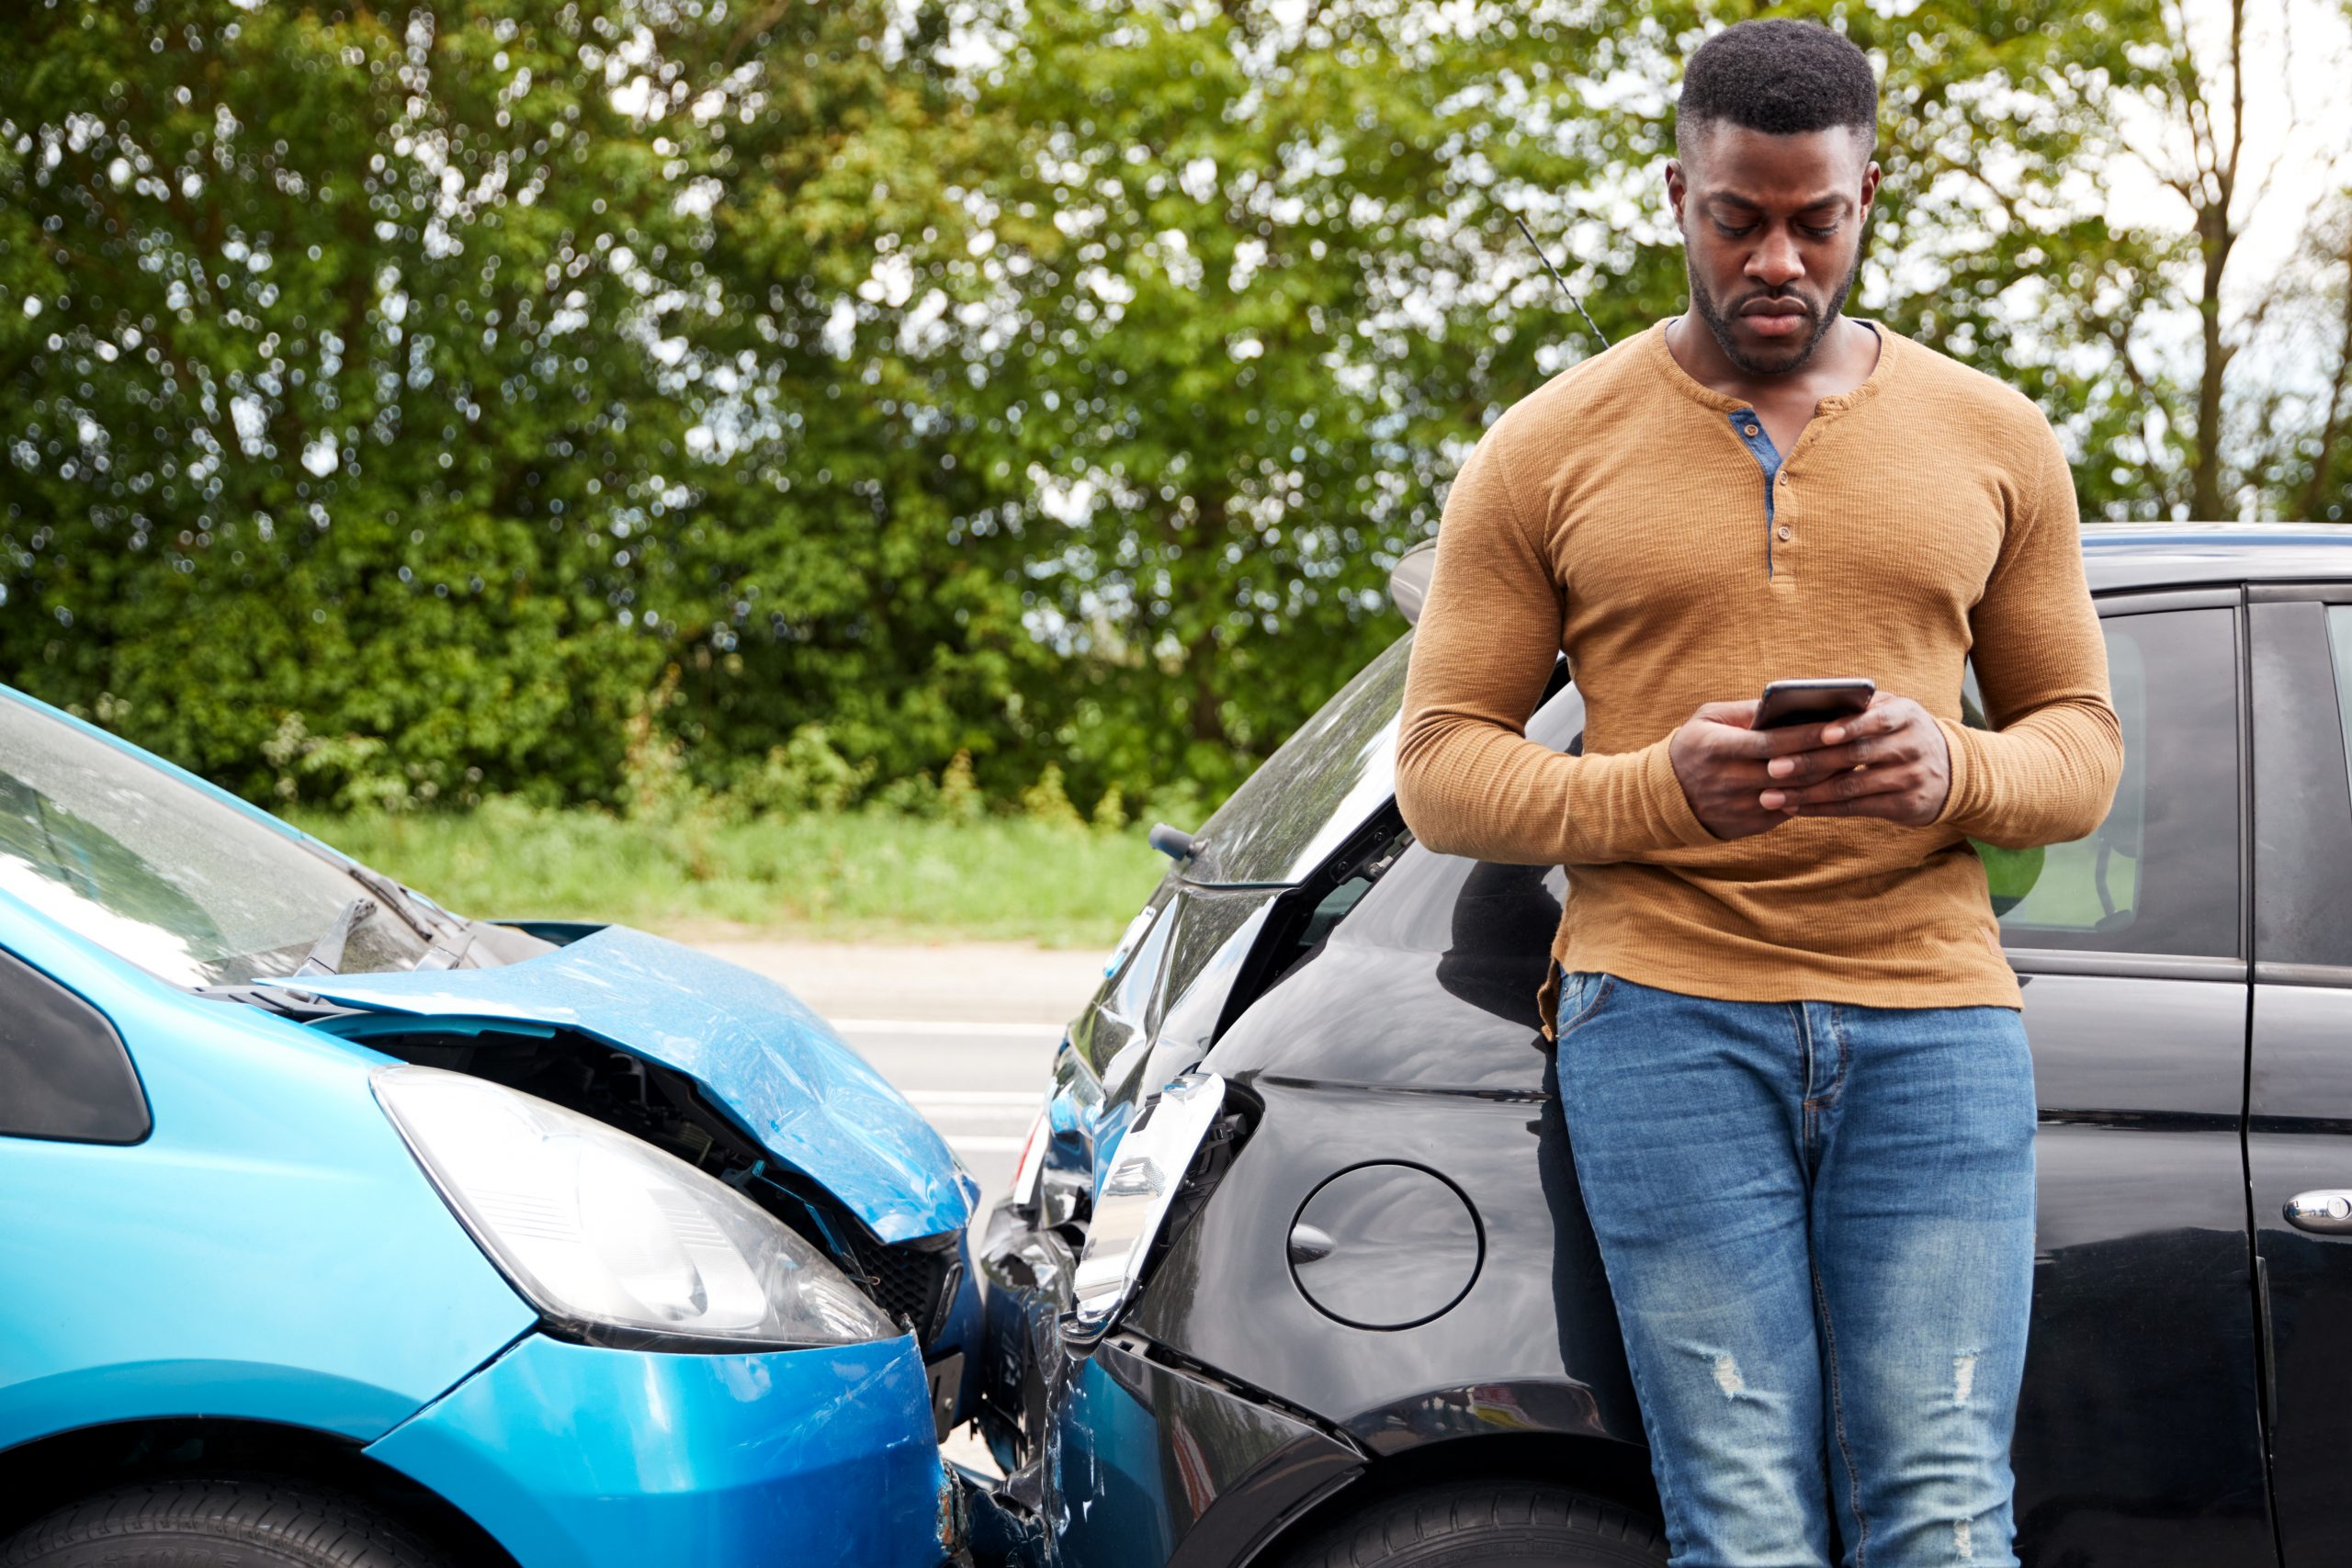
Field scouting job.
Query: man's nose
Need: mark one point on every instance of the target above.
(1775, 262)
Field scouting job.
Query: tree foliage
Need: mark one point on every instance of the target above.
(411, 403)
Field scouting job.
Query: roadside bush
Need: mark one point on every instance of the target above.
(1046, 802)
(805, 773)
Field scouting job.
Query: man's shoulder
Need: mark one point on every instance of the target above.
(1592, 393)
(1933, 381)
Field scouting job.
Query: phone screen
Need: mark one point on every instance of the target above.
(1813, 702)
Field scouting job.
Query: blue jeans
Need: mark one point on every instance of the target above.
(1818, 1223)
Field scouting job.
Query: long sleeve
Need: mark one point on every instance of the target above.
(2046, 772)
(1468, 780)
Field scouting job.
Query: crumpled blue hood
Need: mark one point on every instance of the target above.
(797, 1086)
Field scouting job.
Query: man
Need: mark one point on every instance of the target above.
(1790, 1050)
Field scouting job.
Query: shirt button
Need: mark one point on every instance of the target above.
(1748, 429)
(1784, 478)
(1782, 530)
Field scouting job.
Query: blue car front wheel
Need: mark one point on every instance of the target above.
(222, 1524)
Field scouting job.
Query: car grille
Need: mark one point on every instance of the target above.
(914, 1281)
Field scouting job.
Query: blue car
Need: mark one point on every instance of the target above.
(338, 1229)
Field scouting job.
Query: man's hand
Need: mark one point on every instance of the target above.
(1723, 767)
(1889, 760)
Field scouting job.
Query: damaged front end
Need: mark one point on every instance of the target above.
(1117, 1449)
(1113, 1447)
(722, 1069)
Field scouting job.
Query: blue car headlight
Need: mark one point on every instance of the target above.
(614, 1241)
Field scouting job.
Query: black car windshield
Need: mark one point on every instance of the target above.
(1319, 788)
(162, 874)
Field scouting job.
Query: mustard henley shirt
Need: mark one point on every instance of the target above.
(1619, 514)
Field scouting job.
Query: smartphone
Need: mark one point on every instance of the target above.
(1813, 702)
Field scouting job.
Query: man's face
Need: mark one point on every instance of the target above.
(1772, 236)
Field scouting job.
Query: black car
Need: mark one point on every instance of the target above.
(1296, 1271)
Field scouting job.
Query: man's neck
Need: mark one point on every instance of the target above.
(1846, 356)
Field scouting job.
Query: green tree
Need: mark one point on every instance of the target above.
(845, 562)
(322, 386)
(1272, 290)
(403, 405)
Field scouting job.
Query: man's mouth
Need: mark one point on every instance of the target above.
(1775, 317)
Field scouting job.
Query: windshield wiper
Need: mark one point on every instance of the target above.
(448, 949)
(325, 956)
(403, 903)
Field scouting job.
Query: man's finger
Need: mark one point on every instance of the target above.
(1883, 716)
(1848, 785)
(1767, 743)
(1740, 713)
(1874, 750)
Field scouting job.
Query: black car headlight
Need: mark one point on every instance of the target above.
(1150, 1164)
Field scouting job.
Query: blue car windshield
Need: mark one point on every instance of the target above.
(160, 874)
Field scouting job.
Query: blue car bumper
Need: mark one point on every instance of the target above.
(569, 1454)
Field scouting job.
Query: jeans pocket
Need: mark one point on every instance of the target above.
(1582, 994)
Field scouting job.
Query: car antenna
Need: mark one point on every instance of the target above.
(1558, 279)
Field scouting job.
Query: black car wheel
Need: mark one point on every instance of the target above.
(219, 1524)
(1468, 1523)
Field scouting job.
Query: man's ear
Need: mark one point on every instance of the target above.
(1869, 187)
(1678, 185)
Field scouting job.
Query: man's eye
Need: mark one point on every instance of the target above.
(1728, 233)
(1821, 233)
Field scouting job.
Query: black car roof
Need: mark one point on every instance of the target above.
(2166, 555)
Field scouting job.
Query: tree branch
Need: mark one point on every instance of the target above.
(2332, 428)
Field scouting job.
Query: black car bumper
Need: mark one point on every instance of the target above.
(1125, 1458)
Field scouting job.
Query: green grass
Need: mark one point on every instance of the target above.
(845, 877)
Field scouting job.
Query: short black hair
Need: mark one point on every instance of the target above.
(1779, 76)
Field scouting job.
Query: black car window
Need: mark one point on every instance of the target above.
(63, 1071)
(2160, 874)
(1305, 800)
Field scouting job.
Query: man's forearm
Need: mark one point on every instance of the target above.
(2048, 778)
(1467, 787)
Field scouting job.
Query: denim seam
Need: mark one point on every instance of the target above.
(1837, 1423)
(1845, 1053)
(1633, 1373)
(1657, 1447)
(1809, 1102)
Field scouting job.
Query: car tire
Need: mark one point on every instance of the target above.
(219, 1524)
(1468, 1524)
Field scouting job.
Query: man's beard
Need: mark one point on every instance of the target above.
(1720, 325)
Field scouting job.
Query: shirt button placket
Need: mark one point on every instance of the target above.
(1781, 531)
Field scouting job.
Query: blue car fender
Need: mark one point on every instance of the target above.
(599, 1458)
(270, 1250)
